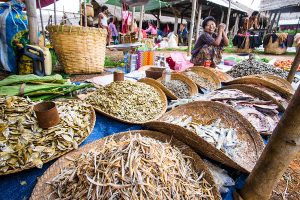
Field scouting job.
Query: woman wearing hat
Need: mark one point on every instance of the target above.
(209, 46)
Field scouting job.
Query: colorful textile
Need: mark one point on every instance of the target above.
(145, 58)
(152, 30)
(212, 53)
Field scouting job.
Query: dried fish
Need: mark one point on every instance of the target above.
(179, 88)
(199, 80)
(133, 167)
(23, 144)
(135, 102)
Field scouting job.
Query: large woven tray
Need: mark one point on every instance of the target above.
(193, 89)
(206, 112)
(224, 77)
(163, 100)
(210, 75)
(42, 189)
(255, 92)
(284, 92)
(92, 124)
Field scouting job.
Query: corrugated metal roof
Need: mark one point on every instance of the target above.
(225, 3)
(266, 5)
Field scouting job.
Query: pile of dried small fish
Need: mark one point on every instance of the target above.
(253, 66)
(133, 167)
(261, 114)
(200, 81)
(24, 145)
(130, 101)
(224, 139)
(179, 88)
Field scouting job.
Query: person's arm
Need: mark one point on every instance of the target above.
(149, 29)
(99, 21)
(225, 39)
(218, 40)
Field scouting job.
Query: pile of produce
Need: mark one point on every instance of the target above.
(261, 114)
(252, 67)
(133, 167)
(203, 82)
(23, 144)
(285, 64)
(126, 100)
(179, 88)
(224, 139)
(38, 88)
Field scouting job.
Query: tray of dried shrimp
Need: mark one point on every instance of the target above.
(203, 77)
(130, 165)
(129, 102)
(213, 130)
(179, 87)
(24, 145)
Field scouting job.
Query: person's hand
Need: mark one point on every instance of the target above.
(221, 27)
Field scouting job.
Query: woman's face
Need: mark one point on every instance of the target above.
(210, 27)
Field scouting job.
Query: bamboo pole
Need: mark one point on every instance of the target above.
(42, 23)
(272, 23)
(176, 25)
(132, 23)
(32, 21)
(80, 13)
(294, 67)
(194, 4)
(198, 21)
(55, 22)
(222, 16)
(277, 21)
(141, 22)
(85, 14)
(282, 148)
(236, 25)
(228, 16)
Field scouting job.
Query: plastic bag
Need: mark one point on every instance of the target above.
(13, 32)
(172, 41)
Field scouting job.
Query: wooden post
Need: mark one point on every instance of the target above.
(277, 22)
(272, 23)
(222, 16)
(132, 24)
(282, 148)
(42, 23)
(141, 22)
(294, 67)
(176, 25)
(55, 22)
(198, 21)
(194, 4)
(228, 17)
(209, 12)
(80, 13)
(32, 21)
(236, 25)
(85, 14)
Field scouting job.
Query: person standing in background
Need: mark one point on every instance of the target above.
(182, 33)
(102, 22)
(113, 30)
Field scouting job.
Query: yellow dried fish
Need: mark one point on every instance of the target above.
(133, 167)
(23, 144)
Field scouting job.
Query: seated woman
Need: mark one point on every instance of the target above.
(209, 46)
(152, 30)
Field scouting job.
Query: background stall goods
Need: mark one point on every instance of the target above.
(133, 167)
(285, 65)
(179, 88)
(252, 67)
(136, 102)
(23, 144)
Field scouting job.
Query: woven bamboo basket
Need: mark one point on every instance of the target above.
(255, 92)
(278, 88)
(207, 74)
(92, 124)
(81, 50)
(223, 77)
(274, 48)
(246, 49)
(206, 112)
(42, 189)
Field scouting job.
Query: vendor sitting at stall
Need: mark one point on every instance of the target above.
(152, 30)
(209, 46)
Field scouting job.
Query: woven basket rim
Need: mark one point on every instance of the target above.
(43, 189)
(245, 127)
(92, 124)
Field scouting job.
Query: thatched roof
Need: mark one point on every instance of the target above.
(279, 5)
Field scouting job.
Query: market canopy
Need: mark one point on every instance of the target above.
(151, 5)
(283, 6)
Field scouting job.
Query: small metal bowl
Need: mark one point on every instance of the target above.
(47, 114)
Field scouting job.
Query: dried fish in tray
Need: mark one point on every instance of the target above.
(138, 165)
(178, 87)
(131, 102)
(24, 145)
(200, 81)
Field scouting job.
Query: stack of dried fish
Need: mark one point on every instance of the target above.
(24, 145)
(135, 102)
(133, 167)
(262, 114)
(224, 139)
(199, 80)
(253, 66)
(179, 88)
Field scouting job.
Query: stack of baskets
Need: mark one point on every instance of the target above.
(274, 48)
(247, 48)
(81, 50)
